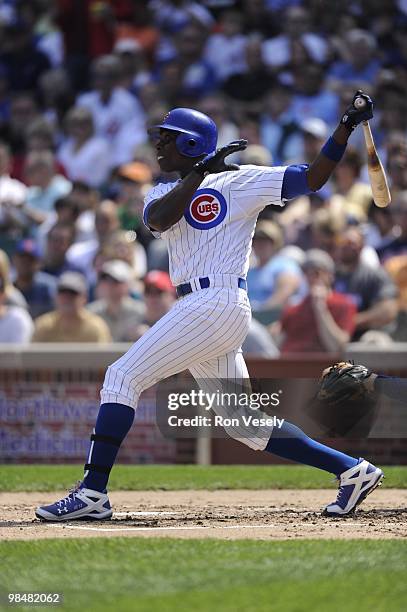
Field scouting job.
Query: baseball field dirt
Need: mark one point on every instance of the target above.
(224, 514)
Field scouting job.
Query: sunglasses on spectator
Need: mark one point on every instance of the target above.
(66, 291)
(107, 277)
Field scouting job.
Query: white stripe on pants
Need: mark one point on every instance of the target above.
(203, 332)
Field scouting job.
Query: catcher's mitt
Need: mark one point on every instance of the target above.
(344, 382)
(343, 405)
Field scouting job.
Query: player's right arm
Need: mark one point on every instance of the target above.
(166, 211)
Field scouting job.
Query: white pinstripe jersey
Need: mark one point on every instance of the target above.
(215, 234)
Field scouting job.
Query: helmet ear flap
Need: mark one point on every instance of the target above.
(191, 145)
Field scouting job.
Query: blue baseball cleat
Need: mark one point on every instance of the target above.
(354, 486)
(80, 503)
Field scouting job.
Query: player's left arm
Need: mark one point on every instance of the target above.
(303, 179)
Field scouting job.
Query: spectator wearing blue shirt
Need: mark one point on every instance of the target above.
(276, 279)
(359, 66)
(37, 287)
(45, 185)
(295, 22)
(312, 99)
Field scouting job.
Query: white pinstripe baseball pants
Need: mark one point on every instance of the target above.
(203, 332)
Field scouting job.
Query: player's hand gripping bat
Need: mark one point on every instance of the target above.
(377, 176)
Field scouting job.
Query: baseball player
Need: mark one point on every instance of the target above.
(207, 218)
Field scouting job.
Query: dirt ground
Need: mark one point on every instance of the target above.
(265, 515)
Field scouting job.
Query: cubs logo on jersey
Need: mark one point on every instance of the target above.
(207, 209)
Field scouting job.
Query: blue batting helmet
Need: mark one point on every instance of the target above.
(198, 133)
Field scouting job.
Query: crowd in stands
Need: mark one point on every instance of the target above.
(81, 83)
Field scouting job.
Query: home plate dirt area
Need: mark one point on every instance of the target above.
(225, 514)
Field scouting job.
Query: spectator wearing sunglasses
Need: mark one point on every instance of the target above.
(70, 321)
(121, 313)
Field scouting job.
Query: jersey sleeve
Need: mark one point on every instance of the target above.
(255, 187)
(154, 194)
(295, 182)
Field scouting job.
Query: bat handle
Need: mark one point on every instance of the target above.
(368, 136)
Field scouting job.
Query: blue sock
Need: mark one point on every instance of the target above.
(112, 426)
(291, 442)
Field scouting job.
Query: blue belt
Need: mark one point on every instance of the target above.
(186, 288)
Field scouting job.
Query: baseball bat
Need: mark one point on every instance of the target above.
(377, 175)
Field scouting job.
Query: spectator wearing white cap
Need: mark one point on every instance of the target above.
(314, 134)
(309, 138)
(71, 321)
(121, 313)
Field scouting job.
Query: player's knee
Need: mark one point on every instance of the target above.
(243, 437)
(118, 381)
(254, 443)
